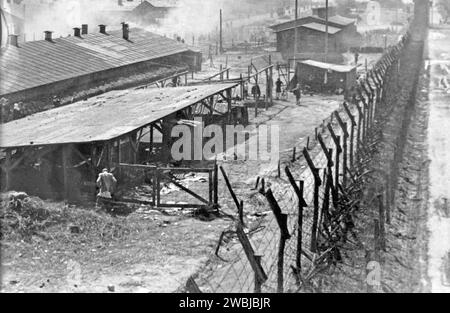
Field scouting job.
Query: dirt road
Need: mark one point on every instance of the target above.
(439, 154)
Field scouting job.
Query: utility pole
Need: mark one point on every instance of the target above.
(295, 34)
(326, 30)
(221, 34)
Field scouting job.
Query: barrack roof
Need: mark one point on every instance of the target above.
(38, 63)
(105, 117)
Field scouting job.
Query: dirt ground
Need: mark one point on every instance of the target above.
(149, 250)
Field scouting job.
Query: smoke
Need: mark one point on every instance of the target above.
(60, 16)
(193, 18)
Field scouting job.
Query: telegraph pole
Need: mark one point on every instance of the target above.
(221, 34)
(295, 33)
(326, 31)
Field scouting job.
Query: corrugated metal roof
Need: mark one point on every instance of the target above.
(329, 66)
(104, 117)
(37, 63)
(334, 21)
(322, 28)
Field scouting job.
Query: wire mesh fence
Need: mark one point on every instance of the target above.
(308, 215)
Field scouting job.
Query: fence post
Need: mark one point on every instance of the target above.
(362, 118)
(230, 189)
(352, 132)
(241, 212)
(346, 136)
(317, 184)
(337, 142)
(359, 135)
(255, 260)
(284, 235)
(301, 204)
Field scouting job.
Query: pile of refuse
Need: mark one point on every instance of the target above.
(22, 214)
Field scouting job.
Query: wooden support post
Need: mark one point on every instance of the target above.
(150, 142)
(108, 155)
(221, 72)
(229, 102)
(293, 154)
(155, 188)
(267, 99)
(118, 152)
(210, 187)
(216, 184)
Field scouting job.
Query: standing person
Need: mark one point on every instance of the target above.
(278, 85)
(356, 57)
(297, 91)
(106, 182)
(256, 92)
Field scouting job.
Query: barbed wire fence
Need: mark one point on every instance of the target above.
(311, 196)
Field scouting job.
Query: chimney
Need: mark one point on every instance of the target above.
(77, 32)
(14, 40)
(48, 35)
(125, 31)
(102, 29)
(84, 29)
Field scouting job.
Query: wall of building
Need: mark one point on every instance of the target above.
(307, 41)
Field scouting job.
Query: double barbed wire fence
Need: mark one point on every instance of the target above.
(312, 197)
